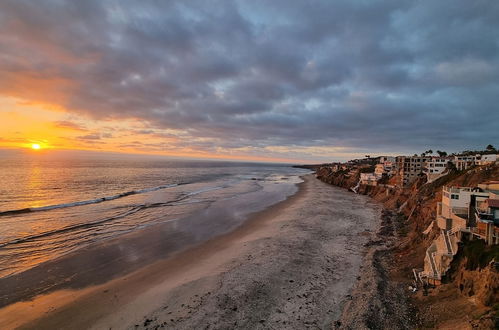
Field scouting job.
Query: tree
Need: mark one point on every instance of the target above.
(490, 147)
(441, 153)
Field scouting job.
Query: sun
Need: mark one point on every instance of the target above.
(36, 146)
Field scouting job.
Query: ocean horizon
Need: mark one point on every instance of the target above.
(51, 207)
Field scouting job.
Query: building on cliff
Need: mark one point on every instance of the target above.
(487, 159)
(436, 167)
(369, 179)
(386, 165)
(465, 162)
(463, 213)
(410, 167)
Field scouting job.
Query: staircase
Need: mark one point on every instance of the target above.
(354, 189)
(431, 257)
(448, 243)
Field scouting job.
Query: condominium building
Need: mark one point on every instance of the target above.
(409, 168)
(436, 167)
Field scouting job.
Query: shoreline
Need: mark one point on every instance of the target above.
(43, 304)
(377, 301)
(119, 256)
(252, 262)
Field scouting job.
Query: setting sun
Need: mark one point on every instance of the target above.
(35, 146)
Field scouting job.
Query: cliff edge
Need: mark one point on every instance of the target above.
(469, 294)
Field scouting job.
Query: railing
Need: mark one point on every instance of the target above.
(433, 265)
(448, 243)
(484, 216)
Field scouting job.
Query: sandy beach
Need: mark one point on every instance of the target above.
(293, 265)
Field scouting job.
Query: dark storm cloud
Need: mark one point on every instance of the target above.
(387, 75)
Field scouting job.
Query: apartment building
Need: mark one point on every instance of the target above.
(436, 167)
(409, 168)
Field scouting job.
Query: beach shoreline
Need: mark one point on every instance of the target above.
(240, 277)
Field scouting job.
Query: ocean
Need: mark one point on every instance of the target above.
(51, 207)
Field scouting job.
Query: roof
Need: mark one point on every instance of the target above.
(493, 202)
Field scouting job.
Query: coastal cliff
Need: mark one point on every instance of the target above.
(469, 294)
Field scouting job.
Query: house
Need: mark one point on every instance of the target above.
(436, 167)
(455, 211)
(463, 212)
(386, 165)
(486, 213)
(465, 162)
(379, 170)
(384, 159)
(487, 159)
(369, 179)
(487, 221)
(390, 167)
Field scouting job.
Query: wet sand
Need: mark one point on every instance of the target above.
(292, 265)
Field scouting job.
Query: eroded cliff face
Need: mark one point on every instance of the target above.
(466, 290)
(341, 178)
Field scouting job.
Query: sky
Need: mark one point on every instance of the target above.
(280, 80)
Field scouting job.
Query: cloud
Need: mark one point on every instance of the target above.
(90, 137)
(69, 125)
(264, 76)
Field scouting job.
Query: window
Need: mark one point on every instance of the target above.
(454, 196)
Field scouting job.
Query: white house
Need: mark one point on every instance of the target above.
(369, 179)
(487, 159)
(436, 167)
(384, 159)
(464, 162)
(462, 210)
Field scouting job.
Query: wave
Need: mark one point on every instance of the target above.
(69, 228)
(203, 190)
(86, 202)
(133, 210)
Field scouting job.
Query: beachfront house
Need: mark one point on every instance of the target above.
(368, 179)
(486, 213)
(464, 212)
(465, 162)
(379, 170)
(487, 159)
